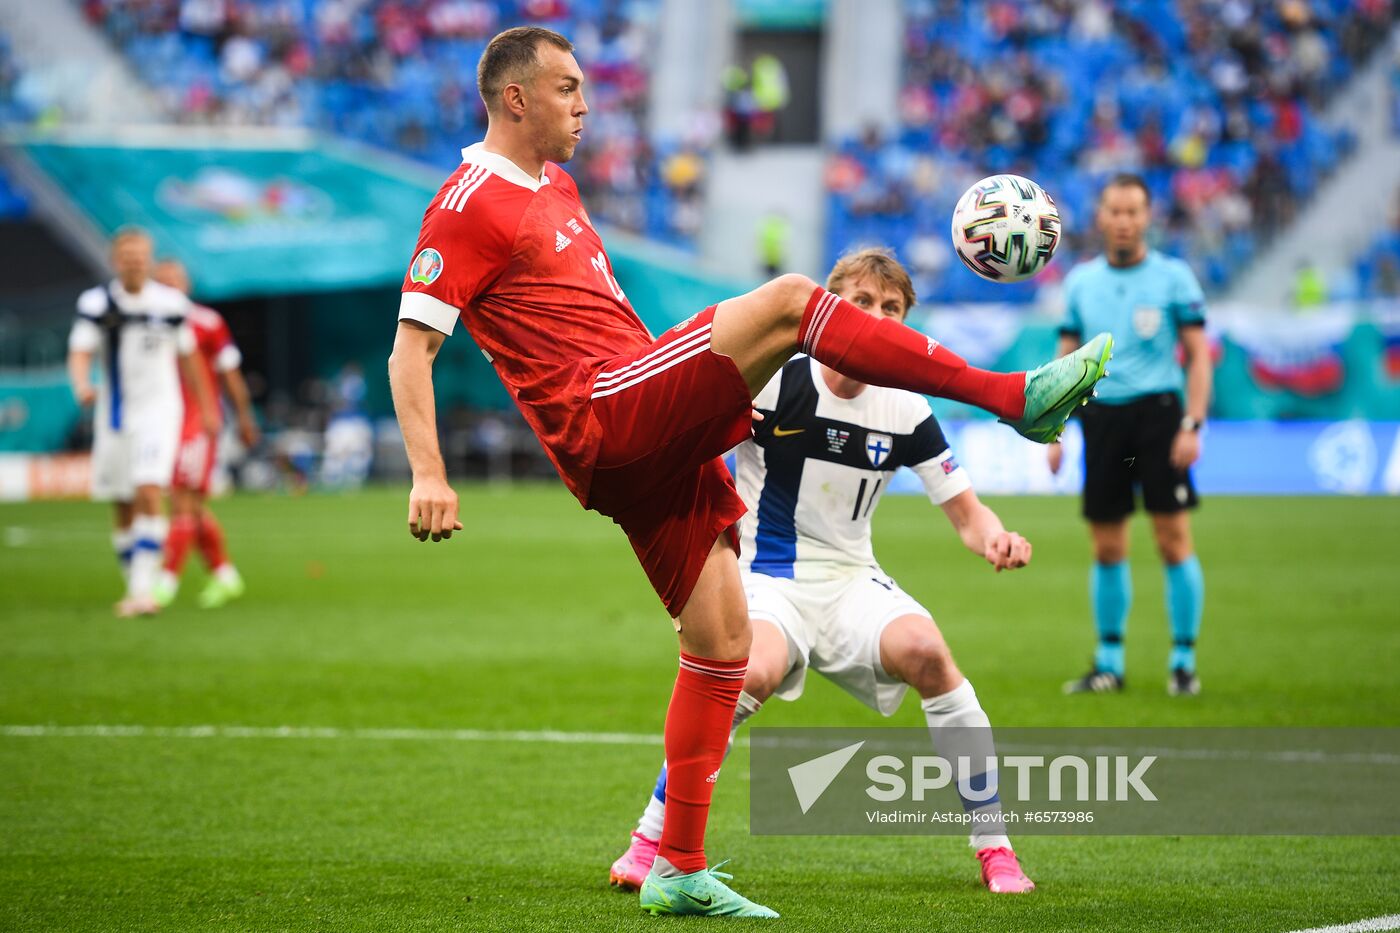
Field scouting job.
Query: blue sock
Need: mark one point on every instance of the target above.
(660, 790)
(1111, 593)
(1186, 595)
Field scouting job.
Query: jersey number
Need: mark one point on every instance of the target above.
(856, 513)
(600, 262)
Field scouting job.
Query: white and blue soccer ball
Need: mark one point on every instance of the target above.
(1006, 228)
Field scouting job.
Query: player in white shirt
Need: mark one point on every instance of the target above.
(812, 474)
(135, 328)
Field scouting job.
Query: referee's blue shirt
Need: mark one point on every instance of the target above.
(1144, 307)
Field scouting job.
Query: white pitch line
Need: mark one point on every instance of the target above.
(557, 737)
(327, 732)
(1388, 922)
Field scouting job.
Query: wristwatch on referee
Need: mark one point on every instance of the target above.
(1190, 424)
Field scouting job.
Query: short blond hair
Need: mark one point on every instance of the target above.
(131, 232)
(877, 263)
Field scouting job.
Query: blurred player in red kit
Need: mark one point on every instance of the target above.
(192, 522)
(634, 424)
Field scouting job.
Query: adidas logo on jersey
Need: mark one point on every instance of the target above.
(560, 241)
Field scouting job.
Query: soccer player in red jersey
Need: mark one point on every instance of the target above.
(635, 425)
(217, 361)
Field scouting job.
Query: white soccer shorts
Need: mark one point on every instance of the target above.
(142, 453)
(834, 627)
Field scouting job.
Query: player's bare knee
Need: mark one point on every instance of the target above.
(790, 293)
(918, 655)
(929, 666)
(1110, 555)
(763, 676)
(1174, 550)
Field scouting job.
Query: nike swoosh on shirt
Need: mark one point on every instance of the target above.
(781, 432)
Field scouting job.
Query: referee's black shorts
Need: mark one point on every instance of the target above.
(1128, 446)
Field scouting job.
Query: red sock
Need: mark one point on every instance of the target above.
(883, 352)
(211, 542)
(178, 541)
(697, 731)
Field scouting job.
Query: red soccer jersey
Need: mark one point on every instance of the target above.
(215, 352)
(517, 259)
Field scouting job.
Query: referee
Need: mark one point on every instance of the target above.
(1138, 433)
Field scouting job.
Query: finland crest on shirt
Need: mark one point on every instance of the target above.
(818, 464)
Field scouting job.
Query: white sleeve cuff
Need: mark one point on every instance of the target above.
(229, 359)
(941, 486)
(425, 309)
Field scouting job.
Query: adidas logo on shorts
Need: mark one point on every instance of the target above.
(560, 241)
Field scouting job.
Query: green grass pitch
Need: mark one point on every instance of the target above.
(537, 617)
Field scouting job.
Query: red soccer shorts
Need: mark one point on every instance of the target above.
(667, 413)
(194, 464)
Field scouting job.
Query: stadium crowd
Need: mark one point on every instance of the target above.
(13, 203)
(1223, 122)
(1378, 268)
(401, 73)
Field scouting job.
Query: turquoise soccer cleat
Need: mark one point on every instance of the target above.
(1055, 390)
(700, 893)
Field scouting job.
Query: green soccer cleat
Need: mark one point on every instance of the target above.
(700, 893)
(223, 588)
(1055, 390)
(164, 591)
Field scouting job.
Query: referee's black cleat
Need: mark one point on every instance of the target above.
(1183, 683)
(1096, 681)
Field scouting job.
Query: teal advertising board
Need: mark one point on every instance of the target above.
(298, 219)
(249, 221)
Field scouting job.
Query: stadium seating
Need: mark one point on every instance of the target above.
(1378, 267)
(13, 203)
(402, 73)
(1223, 123)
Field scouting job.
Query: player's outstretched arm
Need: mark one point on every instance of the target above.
(983, 533)
(80, 376)
(237, 388)
(203, 394)
(1186, 446)
(432, 505)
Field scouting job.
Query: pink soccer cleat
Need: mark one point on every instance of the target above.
(1001, 872)
(629, 871)
(133, 606)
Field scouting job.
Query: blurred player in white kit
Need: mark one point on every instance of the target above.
(136, 329)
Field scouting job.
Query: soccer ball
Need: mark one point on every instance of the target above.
(1006, 228)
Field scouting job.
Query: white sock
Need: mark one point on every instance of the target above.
(146, 558)
(169, 580)
(654, 816)
(226, 573)
(960, 728)
(123, 539)
(663, 868)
